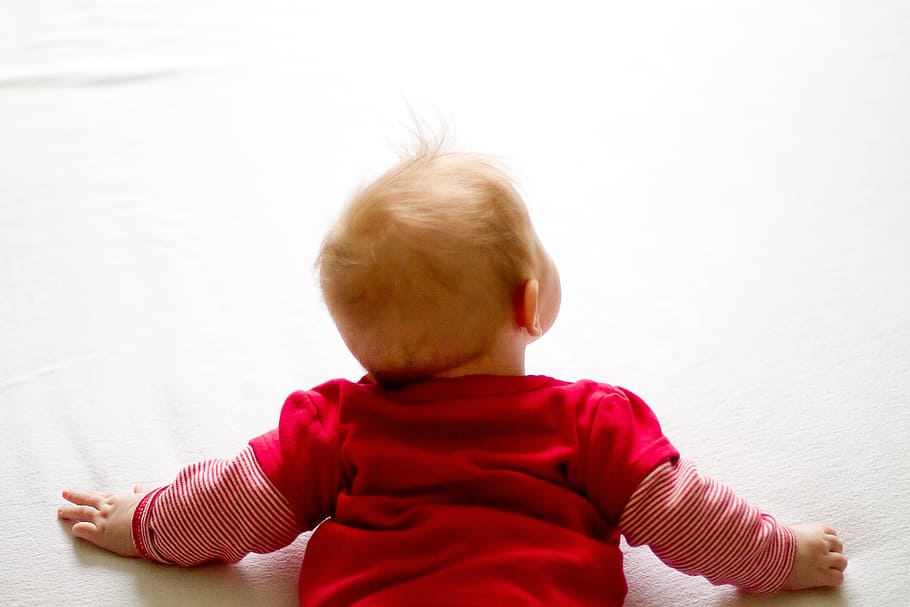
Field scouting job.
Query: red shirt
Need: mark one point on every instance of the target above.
(479, 490)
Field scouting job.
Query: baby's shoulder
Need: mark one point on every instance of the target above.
(591, 389)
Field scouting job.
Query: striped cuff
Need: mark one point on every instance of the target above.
(141, 531)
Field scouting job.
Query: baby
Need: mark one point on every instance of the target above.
(446, 476)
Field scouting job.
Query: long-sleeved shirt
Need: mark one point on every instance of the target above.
(472, 491)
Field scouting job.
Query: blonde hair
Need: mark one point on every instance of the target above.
(423, 266)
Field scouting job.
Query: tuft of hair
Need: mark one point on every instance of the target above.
(421, 270)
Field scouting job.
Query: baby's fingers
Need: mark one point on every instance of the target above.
(835, 544)
(86, 531)
(83, 498)
(834, 577)
(77, 513)
(837, 561)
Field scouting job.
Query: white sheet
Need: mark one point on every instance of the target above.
(726, 188)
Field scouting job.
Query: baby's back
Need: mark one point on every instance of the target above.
(473, 490)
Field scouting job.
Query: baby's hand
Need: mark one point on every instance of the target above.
(104, 519)
(820, 558)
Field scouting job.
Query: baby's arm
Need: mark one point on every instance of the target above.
(214, 510)
(700, 527)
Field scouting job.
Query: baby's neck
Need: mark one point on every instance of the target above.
(506, 359)
(482, 369)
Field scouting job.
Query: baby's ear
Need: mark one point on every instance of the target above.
(529, 308)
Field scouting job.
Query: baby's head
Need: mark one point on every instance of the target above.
(432, 266)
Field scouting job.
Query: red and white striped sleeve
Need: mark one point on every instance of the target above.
(700, 527)
(215, 510)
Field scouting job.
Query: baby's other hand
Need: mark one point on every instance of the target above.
(104, 519)
(820, 558)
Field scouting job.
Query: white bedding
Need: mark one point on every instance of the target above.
(725, 187)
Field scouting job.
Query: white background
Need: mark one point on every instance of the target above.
(725, 187)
